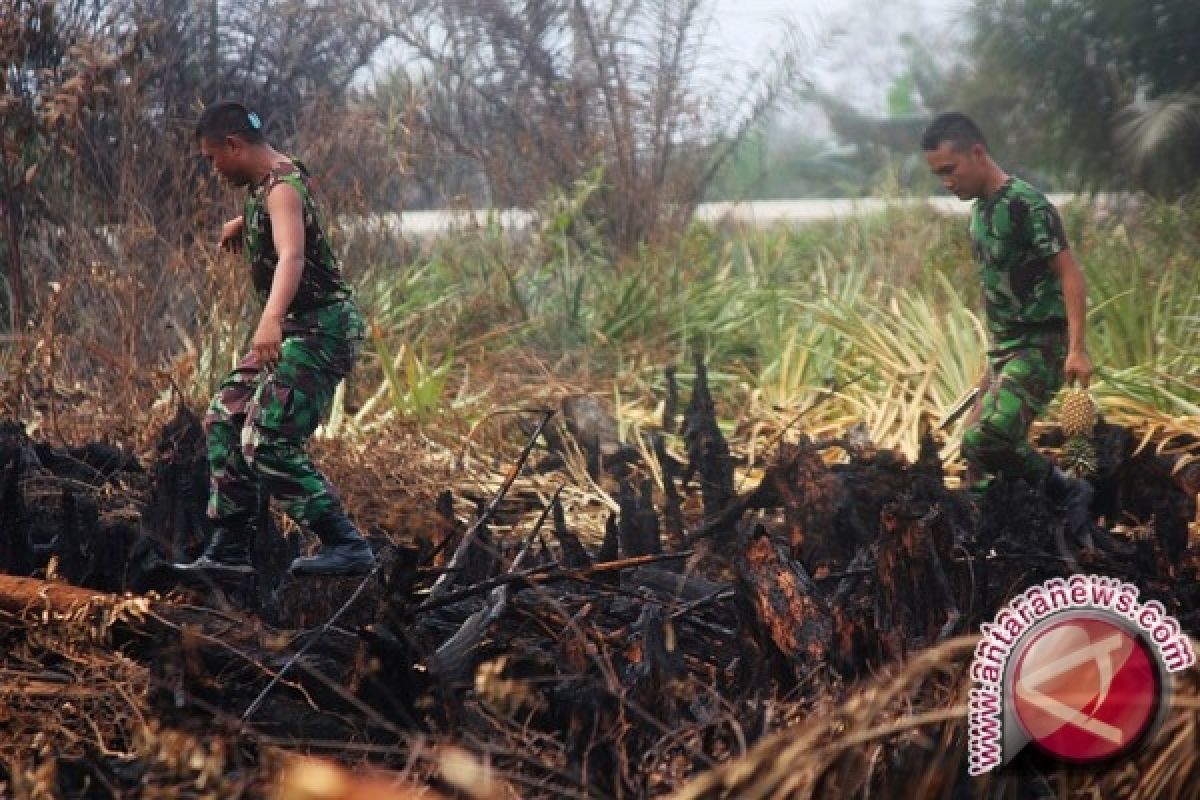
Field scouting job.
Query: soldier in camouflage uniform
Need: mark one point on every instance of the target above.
(307, 340)
(1035, 299)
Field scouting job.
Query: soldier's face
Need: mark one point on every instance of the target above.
(962, 172)
(227, 157)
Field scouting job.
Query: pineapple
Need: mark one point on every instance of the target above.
(1078, 457)
(1078, 414)
(1077, 418)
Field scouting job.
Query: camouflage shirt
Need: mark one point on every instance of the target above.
(321, 282)
(1014, 234)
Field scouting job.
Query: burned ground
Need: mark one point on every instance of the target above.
(837, 595)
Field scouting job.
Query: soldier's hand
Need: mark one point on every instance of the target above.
(268, 341)
(1078, 366)
(231, 235)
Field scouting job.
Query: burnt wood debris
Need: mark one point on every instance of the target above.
(608, 670)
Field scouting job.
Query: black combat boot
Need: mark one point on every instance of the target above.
(228, 550)
(1073, 496)
(343, 551)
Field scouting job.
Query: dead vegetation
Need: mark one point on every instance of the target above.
(804, 636)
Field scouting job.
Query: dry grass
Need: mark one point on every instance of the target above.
(904, 733)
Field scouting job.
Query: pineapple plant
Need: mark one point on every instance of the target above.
(1077, 418)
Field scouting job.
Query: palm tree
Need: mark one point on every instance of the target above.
(1159, 138)
(1106, 91)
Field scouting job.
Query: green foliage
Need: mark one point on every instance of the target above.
(415, 384)
(1094, 93)
(882, 308)
(1057, 81)
(909, 355)
(902, 96)
(1145, 308)
(779, 162)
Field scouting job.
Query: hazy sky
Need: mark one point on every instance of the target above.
(746, 24)
(852, 41)
(852, 46)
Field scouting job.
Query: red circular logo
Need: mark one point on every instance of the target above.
(1085, 688)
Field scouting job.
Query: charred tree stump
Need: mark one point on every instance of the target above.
(77, 531)
(91, 550)
(113, 551)
(915, 602)
(610, 547)
(446, 529)
(708, 452)
(811, 495)
(573, 552)
(474, 560)
(656, 665)
(637, 528)
(857, 645)
(673, 522)
(782, 606)
(16, 545)
(307, 601)
(671, 401)
(388, 679)
(174, 515)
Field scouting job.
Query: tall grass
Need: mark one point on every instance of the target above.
(1145, 312)
(878, 316)
(873, 319)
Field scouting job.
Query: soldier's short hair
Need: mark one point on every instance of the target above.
(954, 127)
(229, 119)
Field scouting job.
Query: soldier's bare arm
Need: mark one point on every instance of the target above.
(1078, 365)
(287, 231)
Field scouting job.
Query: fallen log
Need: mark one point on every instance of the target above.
(24, 599)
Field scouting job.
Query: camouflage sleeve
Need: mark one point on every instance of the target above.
(1044, 229)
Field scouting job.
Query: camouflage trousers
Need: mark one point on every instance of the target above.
(260, 419)
(1018, 385)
